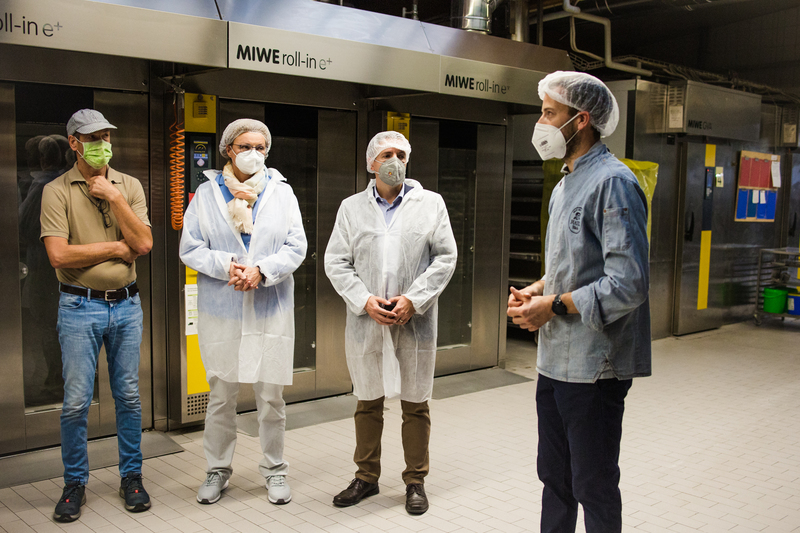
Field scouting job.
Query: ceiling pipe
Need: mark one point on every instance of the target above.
(540, 24)
(413, 12)
(607, 58)
(569, 8)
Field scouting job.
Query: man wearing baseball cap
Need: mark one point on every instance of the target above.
(94, 225)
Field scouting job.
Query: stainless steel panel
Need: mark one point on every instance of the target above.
(687, 317)
(457, 185)
(197, 8)
(662, 277)
(337, 179)
(444, 106)
(489, 49)
(303, 387)
(714, 111)
(265, 87)
(425, 148)
(39, 427)
(131, 156)
(489, 81)
(41, 65)
(337, 22)
(320, 57)
(506, 240)
(327, 20)
(75, 25)
(452, 360)
(648, 108)
(489, 216)
(158, 283)
(12, 397)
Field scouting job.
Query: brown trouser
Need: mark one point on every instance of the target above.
(416, 431)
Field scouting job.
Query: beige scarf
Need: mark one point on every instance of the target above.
(244, 197)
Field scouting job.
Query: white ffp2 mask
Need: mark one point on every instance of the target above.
(249, 162)
(549, 142)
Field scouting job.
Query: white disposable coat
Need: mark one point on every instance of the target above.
(245, 337)
(414, 256)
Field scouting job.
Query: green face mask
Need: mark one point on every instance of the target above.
(97, 154)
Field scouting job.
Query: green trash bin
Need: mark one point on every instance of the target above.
(775, 300)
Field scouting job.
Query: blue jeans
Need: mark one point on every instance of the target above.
(84, 325)
(580, 428)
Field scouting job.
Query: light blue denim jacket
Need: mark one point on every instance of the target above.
(596, 248)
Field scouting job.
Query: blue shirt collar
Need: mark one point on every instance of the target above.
(596, 151)
(381, 200)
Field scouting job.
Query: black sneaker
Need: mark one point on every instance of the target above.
(132, 491)
(68, 508)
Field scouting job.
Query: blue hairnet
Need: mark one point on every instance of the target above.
(584, 92)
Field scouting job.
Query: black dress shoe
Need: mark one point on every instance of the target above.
(357, 491)
(416, 501)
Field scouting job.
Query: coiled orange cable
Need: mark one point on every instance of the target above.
(176, 175)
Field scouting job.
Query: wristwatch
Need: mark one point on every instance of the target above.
(559, 307)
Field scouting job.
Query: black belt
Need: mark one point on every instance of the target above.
(108, 296)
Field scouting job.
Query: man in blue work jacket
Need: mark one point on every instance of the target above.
(591, 308)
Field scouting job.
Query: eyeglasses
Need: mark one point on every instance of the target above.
(260, 148)
(103, 207)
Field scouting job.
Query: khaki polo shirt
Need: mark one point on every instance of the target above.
(69, 211)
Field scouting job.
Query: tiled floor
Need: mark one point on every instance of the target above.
(711, 443)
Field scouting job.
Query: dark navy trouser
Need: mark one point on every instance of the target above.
(580, 428)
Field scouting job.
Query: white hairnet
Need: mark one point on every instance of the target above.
(243, 125)
(584, 92)
(384, 140)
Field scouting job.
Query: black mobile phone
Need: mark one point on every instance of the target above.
(389, 307)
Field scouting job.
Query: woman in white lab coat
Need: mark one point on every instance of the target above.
(243, 233)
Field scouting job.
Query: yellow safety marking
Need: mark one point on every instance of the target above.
(711, 155)
(705, 269)
(195, 371)
(191, 276)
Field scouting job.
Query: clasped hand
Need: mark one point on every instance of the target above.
(244, 278)
(401, 314)
(529, 309)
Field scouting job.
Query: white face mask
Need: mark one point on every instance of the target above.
(392, 172)
(249, 162)
(549, 141)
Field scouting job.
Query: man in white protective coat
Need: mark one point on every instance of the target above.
(243, 233)
(390, 256)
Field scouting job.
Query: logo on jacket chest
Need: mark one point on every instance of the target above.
(575, 220)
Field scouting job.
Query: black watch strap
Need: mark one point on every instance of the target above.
(559, 307)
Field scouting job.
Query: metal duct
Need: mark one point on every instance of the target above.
(520, 29)
(476, 15)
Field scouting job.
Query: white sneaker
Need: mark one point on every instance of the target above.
(211, 489)
(278, 490)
